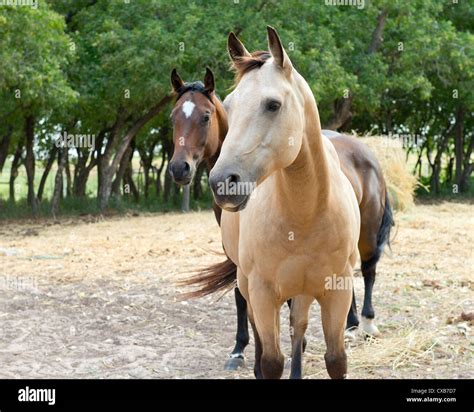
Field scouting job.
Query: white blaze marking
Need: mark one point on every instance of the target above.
(188, 108)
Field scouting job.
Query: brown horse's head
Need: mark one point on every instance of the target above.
(195, 126)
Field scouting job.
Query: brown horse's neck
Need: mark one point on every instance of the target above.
(304, 185)
(219, 134)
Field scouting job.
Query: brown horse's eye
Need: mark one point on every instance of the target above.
(273, 106)
(206, 118)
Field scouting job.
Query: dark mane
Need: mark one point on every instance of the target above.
(193, 87)
(246, 64)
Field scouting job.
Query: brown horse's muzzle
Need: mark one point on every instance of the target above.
(181, 171)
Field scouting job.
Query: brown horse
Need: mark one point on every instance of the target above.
(199, 127)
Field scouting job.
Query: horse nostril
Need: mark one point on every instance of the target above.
(233, 179)
(186, 168)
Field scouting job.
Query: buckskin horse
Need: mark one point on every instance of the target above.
(196, 140)
(304, 224)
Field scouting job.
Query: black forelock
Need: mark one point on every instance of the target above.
(193, 87)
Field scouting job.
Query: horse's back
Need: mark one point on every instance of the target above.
(363, 170)
(359, 164)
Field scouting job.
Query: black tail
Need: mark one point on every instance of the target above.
(218, 277)
(383, 235)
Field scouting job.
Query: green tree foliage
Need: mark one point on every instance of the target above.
(102, 67)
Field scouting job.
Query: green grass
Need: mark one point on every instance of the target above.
(447, 191)
(71, 206)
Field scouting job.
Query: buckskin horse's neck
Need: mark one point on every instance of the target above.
(304, 186)
(222, 127)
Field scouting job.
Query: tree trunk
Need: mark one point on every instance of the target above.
(468, 166)
(14, 170)
(167, 185)
(449, 170)
(436, 165)
(80, 174)
(197, 187)
(30, 162)
(4, 145)
(80, 182)
(128, 180)
(164, 155)
(185, 200)
(47, 169)
(342, 113)
(67, 169)
(58, 182)
(459, 145)
(117, 183)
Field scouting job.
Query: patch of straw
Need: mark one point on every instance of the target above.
(401, 182)
(410, 347)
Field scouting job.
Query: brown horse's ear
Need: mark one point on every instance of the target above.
(277, 50)
(209, 81)
(236, 47)
(176, 81)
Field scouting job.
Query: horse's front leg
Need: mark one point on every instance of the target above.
(266, 315)
(299, 314)
(236, 358)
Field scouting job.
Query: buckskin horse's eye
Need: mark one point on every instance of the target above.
(273, 106)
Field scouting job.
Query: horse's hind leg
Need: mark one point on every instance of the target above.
(299, 314)
(236, 358)
(368, 314)
(334, 308)
(352, 319)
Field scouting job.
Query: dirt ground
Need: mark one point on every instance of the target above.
(91, 298)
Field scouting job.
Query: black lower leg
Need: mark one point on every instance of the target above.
(369, 279)
(304, 343)
(257, 369)
(352, 319)
(297, 360)
(242, 336)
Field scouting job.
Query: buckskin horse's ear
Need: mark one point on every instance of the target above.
(176, 81)
(236, 47)
(277, 50)
(209, 81)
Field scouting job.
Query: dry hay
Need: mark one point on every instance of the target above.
(408, 347)
(392, 157)
(99, 301)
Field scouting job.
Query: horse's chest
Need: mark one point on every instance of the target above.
(293, 259)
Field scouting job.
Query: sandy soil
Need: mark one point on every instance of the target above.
(93, 298)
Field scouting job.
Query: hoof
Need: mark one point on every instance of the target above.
(369, 328)
(350, 335)
(235, 362)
